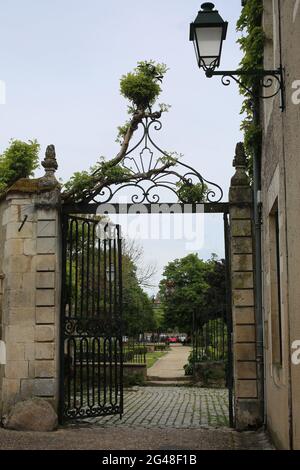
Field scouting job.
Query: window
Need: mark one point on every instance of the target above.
(275, 279)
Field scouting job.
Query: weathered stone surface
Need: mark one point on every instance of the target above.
(44, 350)
(32, 415)
(45, 263)
(44, 387)
(44, 369)
(44, 315)
(29, 247)
(44, 333)
(245, 333)
(245, 352)
(45, 280)
(241, 228)
(246, 388)
(246, 370)
(242, 280)
(248, 414)
(242, 263)
(243, 297)
(46, 228)
(16, 369)
(242, 245)
(20, 333)
(243, 315)
(46, 245)
(45, 297)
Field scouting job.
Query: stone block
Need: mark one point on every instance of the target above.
(28, 281)
(20, 334)
(246, 389)
(22, 298)
(15, 352)
(20, 264)
(11, 214)
(44, 387)
(244, 333)
(241, 228)
(44, 369)
(242, 263)
(242, 245)
(14, 247)
(246, 370)
(245, 352)
(44, 333)
(45, 315)
(45, 280)
(29, 351)
(248, 414)
(16, 369)
(46, 245)
(27, 388)
(45, 263)
(44, 350)
(46, 228)
(243, 298)
(240, 212)
(29, 247)
(243, 315)
(45, 297)
(242, 280)
(12, 230)
(46, 214)
(10, 390)
(15, 281)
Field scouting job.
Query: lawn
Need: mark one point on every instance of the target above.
(152, 357)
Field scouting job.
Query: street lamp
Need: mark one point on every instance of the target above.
(208, 32)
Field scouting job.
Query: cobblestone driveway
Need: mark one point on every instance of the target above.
(171, 407)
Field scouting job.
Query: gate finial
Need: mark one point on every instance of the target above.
(240, 177)
(49, 162)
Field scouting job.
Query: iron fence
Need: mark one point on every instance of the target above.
(134, 352)
(210, 341)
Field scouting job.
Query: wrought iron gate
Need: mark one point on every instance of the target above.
(91, 382)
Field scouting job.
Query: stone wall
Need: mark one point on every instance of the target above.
(248, 410)
(281, 192)
(30, 298)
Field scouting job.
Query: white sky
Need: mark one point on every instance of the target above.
(61, 61)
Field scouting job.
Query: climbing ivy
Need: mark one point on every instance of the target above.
(252, 45)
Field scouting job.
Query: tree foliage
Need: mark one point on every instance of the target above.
(252, 45)
(141, 88)
(193, 288)
(19, 160)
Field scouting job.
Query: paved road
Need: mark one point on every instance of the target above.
(171, 365)
(170, 407)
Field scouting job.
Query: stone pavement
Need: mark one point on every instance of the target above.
(96, 438)
(169, 407)
(171, 365)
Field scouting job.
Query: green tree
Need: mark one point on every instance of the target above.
(19, 160)
(138, 315)
(193, 289)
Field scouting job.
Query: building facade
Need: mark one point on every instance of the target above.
(280, 183)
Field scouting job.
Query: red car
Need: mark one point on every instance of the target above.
(172, 339)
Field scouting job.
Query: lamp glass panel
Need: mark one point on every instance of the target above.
(209, 43)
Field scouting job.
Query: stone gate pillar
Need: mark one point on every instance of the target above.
(246, 389)
(30, 277)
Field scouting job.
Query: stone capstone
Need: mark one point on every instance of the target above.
(32, 415)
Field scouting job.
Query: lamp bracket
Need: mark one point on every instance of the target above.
(272, 80)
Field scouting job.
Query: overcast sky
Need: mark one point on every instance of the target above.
(62, 60)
